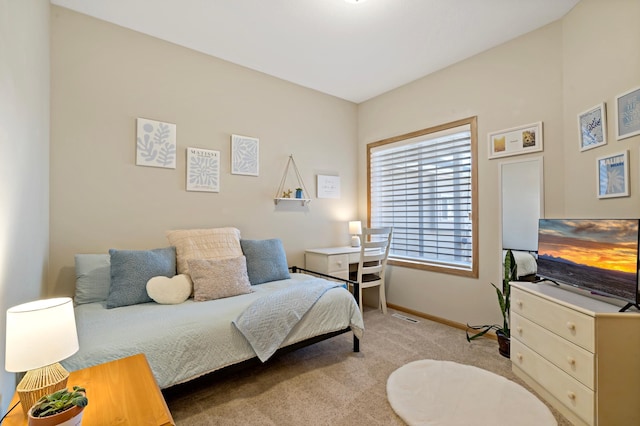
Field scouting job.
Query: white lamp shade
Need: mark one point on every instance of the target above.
(355, 227)
(40, 333)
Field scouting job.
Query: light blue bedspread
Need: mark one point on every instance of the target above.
(267, 322)
(190, 339)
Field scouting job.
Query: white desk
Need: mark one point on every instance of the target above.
(332, 260)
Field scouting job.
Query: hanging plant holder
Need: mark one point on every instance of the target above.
(299, 193)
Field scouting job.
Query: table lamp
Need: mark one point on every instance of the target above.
(355, 229)
(39, 334)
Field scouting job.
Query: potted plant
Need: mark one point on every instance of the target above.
(59, 408)
(503, 332)
(298, 192)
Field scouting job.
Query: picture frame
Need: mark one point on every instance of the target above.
(203, 170)
(155, 143)
(592, 127)
(245, 155)
(516, 140)
(328, 186)
(628, 114)
(613, 175)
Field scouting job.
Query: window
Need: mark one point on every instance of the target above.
(424, 185)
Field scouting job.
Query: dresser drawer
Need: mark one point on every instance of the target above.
(574, 360)
(565, 322)
(573, 394)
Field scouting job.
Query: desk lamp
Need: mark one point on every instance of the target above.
(355, 229)
(39, 334)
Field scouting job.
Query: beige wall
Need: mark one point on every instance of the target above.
(103, 77)
(517, 83)
(549, 75)
(601, 60)
(24, 160)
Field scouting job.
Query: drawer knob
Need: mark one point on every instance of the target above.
(519, 303)
(519, 356)
(571, 326)
(519, 330)
(571, 360)
(571, 395)
(339, 262)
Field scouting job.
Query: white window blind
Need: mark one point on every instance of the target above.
(423, 188)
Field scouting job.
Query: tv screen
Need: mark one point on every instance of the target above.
(600, 255)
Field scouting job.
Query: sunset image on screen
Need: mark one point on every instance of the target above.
(603, 244)
(600, 255)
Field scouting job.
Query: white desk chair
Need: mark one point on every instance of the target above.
(374, 250)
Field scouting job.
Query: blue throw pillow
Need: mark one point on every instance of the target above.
(93, 278)
(130, 271)
(266, 260)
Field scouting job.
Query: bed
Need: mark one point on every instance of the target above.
(190, 339)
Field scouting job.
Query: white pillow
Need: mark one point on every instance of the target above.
(169, 291)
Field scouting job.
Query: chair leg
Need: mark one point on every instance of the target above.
(360, 299)
(383, 299)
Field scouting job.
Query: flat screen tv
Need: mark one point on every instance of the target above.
(597, 255)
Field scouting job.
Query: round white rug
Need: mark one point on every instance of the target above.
(445, 393)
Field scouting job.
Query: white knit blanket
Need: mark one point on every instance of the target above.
(267, 322)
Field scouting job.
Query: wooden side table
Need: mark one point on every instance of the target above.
(121, 392)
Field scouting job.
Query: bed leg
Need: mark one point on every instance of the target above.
(356, 344)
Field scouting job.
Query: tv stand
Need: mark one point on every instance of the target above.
(577, 353)
(628, 305)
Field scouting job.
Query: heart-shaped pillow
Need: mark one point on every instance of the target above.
(170, 291)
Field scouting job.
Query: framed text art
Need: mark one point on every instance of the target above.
(592, 127)
(628, 114)
(613, 175)
(244, 155)
(328, 186)
(203, 170)
(517, 140)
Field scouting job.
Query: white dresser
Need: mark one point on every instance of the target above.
(578, 353)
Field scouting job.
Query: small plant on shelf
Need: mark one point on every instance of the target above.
(59, 402)
(504, 300)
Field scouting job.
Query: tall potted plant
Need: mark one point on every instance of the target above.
(503, 332)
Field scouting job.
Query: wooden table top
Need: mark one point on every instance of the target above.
(120, 392)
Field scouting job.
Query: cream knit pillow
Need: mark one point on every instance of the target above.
(214, 243)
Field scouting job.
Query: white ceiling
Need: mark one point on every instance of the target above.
(352, 51)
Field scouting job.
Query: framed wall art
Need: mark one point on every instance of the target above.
(628, 114)
(155, 144)
(244, 155)
(203, 170)
(592, 127)
(515, 141)
(613, 175)
(328, 186)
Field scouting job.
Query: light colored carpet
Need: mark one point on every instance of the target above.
(328, 384)
(444, 393)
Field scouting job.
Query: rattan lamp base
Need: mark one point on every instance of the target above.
(40, 382)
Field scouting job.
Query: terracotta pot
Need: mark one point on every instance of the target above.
(71, 417)
(504, 344)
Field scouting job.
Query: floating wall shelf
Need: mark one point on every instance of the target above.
(300, 200)
(281, 191)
